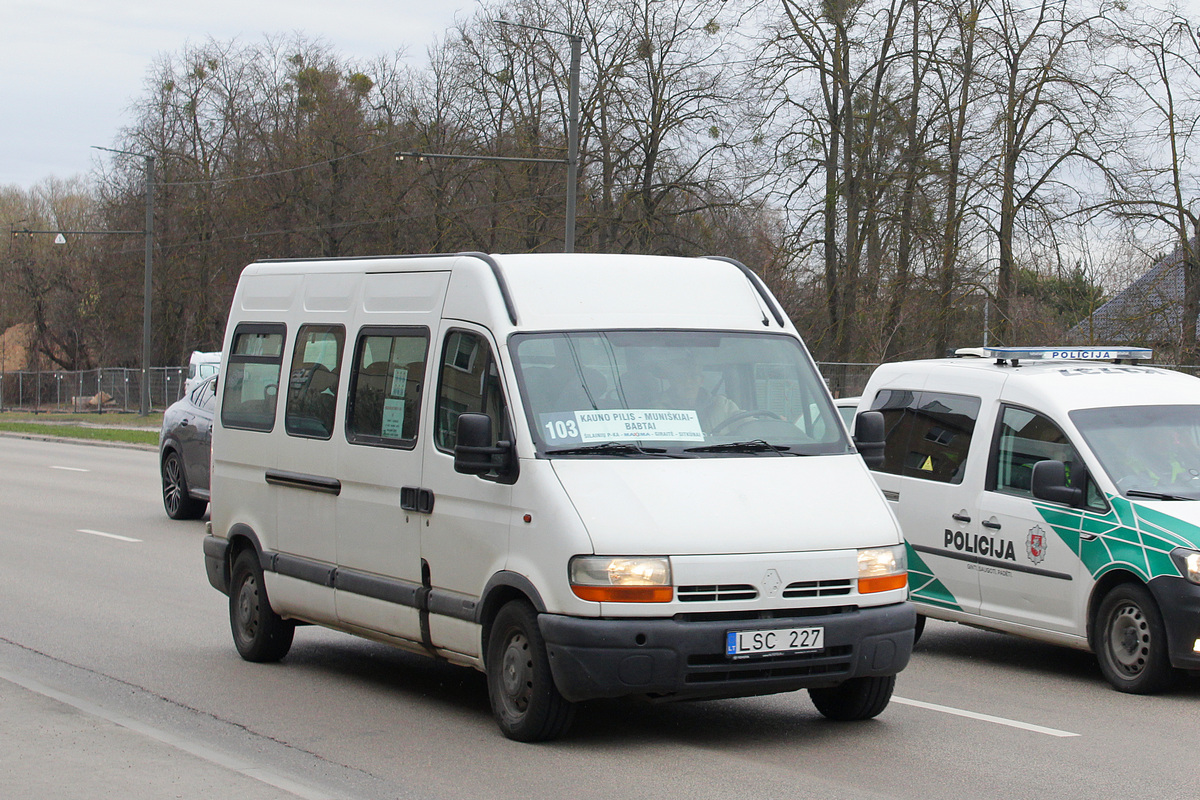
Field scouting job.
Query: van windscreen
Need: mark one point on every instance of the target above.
(681, 393)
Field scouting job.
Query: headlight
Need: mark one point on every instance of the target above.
(621, 579)
(881, 569)
(1188, 562)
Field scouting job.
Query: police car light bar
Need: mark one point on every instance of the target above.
(1015, 354)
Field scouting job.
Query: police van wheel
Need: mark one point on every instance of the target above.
(525, 701)
(857, 698)
(258, 632)
(1131, 641)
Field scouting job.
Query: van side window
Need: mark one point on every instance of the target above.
(470, 381)
(927, 434)
(313, 381)
(250, 385)
(385, 386)
(1025, 438)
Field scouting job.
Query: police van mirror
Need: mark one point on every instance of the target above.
(1049, 482)
(868, 437)
(474, 453)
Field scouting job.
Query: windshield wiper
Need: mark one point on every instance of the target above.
(1155, 495)
(752, 446)
(608, 449)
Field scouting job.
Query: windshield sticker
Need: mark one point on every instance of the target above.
(585, 427)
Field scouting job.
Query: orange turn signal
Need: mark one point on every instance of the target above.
(624, 594)
(884, 584)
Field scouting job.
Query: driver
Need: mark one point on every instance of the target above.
(685, 390)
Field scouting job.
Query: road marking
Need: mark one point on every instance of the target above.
(1012, 723)
(72, 469)
(107, 535)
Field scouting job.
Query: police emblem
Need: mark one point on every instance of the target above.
(1035, 544)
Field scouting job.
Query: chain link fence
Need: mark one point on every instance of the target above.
(93, 390)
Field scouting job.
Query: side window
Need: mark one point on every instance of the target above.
(313, 381)
(1025, 438)
(927, 434)
(386, 386)
(470, 381)
(251, 380)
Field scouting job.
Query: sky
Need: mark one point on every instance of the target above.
(70, 70)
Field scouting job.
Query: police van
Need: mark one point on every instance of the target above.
(1051, 493)
(585, 475)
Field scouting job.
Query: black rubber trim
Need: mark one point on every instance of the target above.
(300, 480)
(500, 281)
(758, 287)
(1179, 602)
(303, 569)
(990, 562)
(445, 603)
(390, 590)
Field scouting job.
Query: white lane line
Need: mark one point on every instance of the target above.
(72, 469)
(249, 769)
(107, 535)
(958, 712)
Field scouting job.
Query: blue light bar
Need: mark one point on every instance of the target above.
(1069, 353)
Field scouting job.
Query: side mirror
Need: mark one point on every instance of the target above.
(868, 437)
(1049, 482)
(474, 453)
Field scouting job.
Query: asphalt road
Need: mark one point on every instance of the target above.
(118, 679)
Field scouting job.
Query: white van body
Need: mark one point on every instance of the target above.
(200, 366)
(611, 533)
(1105, 558)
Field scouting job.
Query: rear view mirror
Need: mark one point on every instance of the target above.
(474, 453)
(868, 437)
(1049, 482)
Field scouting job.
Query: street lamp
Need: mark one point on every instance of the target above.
(144, 403)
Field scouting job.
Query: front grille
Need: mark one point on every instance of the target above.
(762, 613)
(716, 593)
(714, 668)
(817, 588)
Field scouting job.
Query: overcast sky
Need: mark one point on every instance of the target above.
(71, 69)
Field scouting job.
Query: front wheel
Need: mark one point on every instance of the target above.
(525, 701)
(178, 503)
(258, 632)
(857, 698)
(1131, 641)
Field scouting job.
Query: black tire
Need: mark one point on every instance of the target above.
(1130, 641)
(525, 701)
(259, 633)
(178, 503)
(919, 629)
(857, 698)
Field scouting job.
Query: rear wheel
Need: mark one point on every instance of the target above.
(525, 701)
(258, 632)
(176, 500)
(1131, 641)
(857, 698)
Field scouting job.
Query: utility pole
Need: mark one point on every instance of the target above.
(148, 283)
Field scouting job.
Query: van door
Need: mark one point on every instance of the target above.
(1033, 576)
(925, 477)
(379, 527)
(465, 536)
(306, 470)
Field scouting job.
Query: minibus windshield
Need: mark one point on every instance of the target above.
(672, 393)
(1151, 452)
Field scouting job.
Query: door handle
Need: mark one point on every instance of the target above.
(414, 498)
(991, 523)
(183, 423)
(961, 516)
(1089, 537)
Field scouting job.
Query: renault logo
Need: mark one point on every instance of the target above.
(771, 583)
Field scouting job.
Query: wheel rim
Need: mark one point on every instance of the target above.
(172, 484)
(247, 609)
(1129, 640)
(516, 673)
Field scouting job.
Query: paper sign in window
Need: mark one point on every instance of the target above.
(393, 419)
(399, 382)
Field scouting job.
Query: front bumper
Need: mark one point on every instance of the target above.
(683, 659)
(1179, 601)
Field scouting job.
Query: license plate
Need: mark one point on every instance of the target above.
(740, 644)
